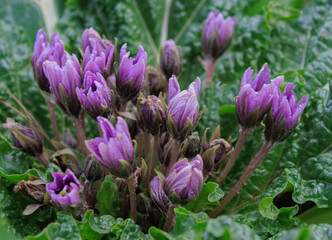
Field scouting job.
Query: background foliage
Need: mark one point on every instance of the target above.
(293, 36)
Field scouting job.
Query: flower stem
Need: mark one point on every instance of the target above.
(54, 123)
(132, 196)
(140, 145)
(154, 158)
(266, 147)
(42, 158)
(147, 157)
(174, 157)
(238, 147)
(123, 106)
(147, 147)
(169, 218)
(80, 134)
(210, 71)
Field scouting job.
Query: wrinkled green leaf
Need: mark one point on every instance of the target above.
(312, 232)
(209, 196)
(108, 198)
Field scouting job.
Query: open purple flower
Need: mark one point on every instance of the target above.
(284, 115)
(185, 179)
(99, 54)
(43, 51)
(114, 149)
(183, 108)
(130, 75)
(216, 35)
(96, 96)
(29, 140)
(255, 97)
(64, 78)
(65, 189)
(170, 59)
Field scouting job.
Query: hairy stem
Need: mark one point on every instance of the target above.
(80, 135)
(42, 158)
(123, 106)
(238, 147)
(210, 71)
(140, 145)
(54, 123)
(154, 158)
(169, 218)
(147, 157)
(132, 196)
(266, 147)
(174, 157)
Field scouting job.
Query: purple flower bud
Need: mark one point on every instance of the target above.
(155, 83)
(43, 51)
(29, 140)
(90, 38)
(99, 58)
(254, 98)
(114, 149)
(130, 75)
(185, 179)
(216, 35)
(158, 195)
(64, 78)
(151, 114)
(96, 96)
(170, 59)
(183, 107)
(65, 189)
(284, 114)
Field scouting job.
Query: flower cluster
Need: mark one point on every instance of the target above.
(123, 99)
(259, 97)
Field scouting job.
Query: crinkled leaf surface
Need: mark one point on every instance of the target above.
(198, 226)
(108, 198)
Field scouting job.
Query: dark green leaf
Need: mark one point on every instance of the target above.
(208, 197)
(101, 224)
(312, 232)
(108, 199)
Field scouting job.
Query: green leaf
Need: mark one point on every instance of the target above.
(225, 109)
(101, 224)
(312, 232)
(86, 231)
(317, 215)
(275, 11)
(226, 228)
(12, 205)
(65, 228)
(208, 197)
(265, 227)
(108, 199)
(189, 225)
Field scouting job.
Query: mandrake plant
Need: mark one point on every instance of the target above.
(135, 168)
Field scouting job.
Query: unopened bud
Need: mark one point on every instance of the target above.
(170, 59)
(192, 146)
(29, 140)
